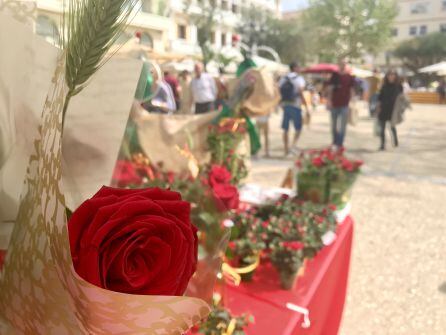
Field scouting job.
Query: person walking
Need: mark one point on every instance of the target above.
(387, 100)
(204, 90)
(340, 90)
(185, 92)
(291, 90)
(374, 85)
(170, 79)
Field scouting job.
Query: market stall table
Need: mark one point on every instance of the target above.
(321, 290)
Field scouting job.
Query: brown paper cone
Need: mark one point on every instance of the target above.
(40, 293)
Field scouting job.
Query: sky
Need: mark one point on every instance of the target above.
(288, 5)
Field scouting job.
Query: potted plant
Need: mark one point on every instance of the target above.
(245, 245)
(288, 258)
(325, 176)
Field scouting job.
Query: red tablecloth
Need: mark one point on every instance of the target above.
(321, 290)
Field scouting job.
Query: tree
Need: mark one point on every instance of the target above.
(348, 28)
(205, 20)
(259, 27)
(422, 51)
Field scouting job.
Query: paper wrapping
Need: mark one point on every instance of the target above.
(40, 292)
(160, 136)
(94, 127)
(265, 96)
(26, 66)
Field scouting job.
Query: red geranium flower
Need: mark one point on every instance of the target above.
(317, 161)
(293, 245)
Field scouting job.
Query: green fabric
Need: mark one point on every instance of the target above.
(144, 87)
(247, 64)
(254, 138)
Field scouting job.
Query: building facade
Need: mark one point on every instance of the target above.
(418, 18)
(165, 25)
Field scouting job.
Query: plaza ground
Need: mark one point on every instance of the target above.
(397, 282)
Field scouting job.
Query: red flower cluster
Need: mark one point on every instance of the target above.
(293, 245)
(125, 174)
(327, 157)
(226, 195)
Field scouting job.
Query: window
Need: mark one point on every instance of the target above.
(181, 31)
(423, 30)
(146, 6)
(235, 8)
(47, 28)
(146, 39)
(419, 8)
(394, 32)
(224, 5)
(443, 27)
(412, 31)
(223, 39)
(216, 38)
(443, 5)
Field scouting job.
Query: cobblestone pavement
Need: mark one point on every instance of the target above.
(398, 273)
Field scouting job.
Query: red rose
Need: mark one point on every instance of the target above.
(226, 197)
(219, 175)
(134, 241)
(125, 174)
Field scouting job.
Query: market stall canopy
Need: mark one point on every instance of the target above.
(439, 67)
(321, 68)
(133, 49)
(178, 66)
(361, 73)
(331, 68)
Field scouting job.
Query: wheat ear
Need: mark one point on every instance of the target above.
(90, 28)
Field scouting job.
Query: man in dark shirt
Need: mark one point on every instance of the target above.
(340, 90)
(174, 85)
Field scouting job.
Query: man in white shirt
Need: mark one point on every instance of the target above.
(204, 90)
(291, 90)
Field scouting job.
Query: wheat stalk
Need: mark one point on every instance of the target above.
(90, 28)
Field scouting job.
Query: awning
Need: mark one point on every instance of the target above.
(434, 68)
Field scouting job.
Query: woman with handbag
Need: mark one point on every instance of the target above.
(387, 98)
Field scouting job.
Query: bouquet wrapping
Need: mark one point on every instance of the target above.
(42, 290)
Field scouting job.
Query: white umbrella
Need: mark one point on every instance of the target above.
(434, 68)
(361, 73)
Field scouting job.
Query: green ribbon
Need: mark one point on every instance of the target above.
(254, 138)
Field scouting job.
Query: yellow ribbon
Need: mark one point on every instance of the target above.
(236, 125)
(231, 327)
(234, 273)
(192, 160)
